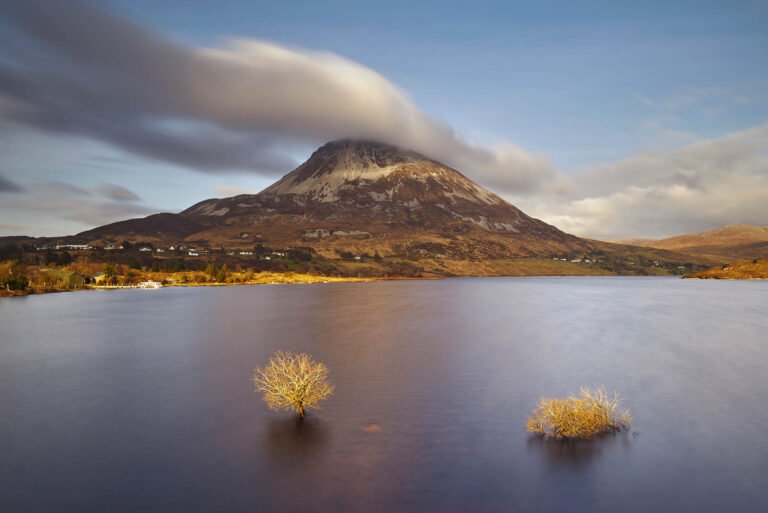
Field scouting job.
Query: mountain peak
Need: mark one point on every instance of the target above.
(368, 151)
(371, 187)
(350, 168)
(338, 164)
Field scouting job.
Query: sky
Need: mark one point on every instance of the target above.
(607, 119)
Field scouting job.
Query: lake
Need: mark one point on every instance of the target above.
(134, 400)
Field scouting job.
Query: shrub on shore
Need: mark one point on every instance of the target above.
(292, 382)
(592, 413)
(13, 277)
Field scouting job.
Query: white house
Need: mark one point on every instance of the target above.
(73, 246)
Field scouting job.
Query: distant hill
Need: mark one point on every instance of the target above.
(730, 243)
(16, 240)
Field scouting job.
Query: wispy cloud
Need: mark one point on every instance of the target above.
(701, 98)
(90, 206)
(671, 120)
(117, 192)
(236, 107)
(7, 185)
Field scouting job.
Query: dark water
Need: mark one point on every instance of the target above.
(141, 401)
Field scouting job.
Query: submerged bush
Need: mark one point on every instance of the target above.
(292, 382)
(590, 414)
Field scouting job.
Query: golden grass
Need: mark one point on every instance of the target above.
(592, 413)
(199, 279)
(753, 270)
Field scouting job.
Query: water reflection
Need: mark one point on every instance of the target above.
(434, 381)
(291, 439)
(576, 454)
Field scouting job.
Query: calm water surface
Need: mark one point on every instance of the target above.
(141, 401)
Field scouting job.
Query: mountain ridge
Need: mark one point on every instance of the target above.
(357, 197)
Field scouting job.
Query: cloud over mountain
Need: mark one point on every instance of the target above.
(237, 107)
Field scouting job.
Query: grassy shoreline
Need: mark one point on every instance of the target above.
(42, 280)
(753, 270)
(263, 279)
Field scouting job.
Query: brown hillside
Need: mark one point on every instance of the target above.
(730, 243)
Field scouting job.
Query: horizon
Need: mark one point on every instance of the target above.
(607, 122)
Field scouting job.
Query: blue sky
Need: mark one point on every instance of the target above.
(585, 88)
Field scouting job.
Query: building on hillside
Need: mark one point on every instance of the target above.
(73, 246)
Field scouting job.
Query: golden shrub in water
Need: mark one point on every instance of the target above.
(292, 382)
(585, 416)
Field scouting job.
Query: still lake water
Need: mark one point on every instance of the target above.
(141, 401)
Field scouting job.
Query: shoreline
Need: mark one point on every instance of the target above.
(314, 279)
(292, 278)
(693, 277)
(756, 269)
(94, 275)
(306, 280)
(288, 279)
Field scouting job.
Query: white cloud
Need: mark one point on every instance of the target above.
(661, 193)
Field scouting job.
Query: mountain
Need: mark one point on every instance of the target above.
(360, 196)
(728, 243)
(357, 198)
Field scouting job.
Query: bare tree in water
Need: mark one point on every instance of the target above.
(292, 381)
